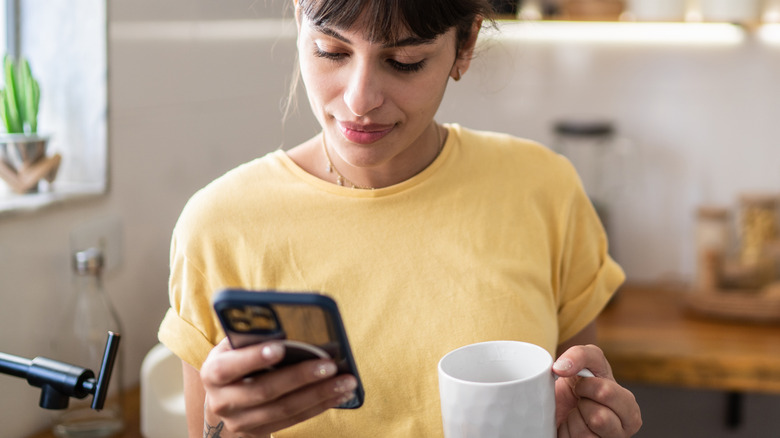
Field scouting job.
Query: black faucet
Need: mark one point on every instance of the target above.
(59, 381)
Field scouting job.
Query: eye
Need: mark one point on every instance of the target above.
(333, 56)
(406, 68)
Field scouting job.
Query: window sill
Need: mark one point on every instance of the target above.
(11, 203)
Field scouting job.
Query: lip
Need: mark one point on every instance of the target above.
(364, 134)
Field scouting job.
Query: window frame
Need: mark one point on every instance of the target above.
(61, 191)
(11, 21)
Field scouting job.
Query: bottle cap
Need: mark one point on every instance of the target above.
(584, 128)
(88, 261)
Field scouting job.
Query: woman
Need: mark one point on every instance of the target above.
(429, 237)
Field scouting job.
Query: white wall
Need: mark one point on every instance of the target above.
(188, 101)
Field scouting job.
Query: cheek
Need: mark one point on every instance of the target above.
(320, 79)
(318, 82)
(423, 96)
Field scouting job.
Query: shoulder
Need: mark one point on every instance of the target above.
(228, 195)
(514, 155)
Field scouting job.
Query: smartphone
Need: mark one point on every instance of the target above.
(309, 326)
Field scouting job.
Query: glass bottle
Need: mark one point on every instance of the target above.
(81, 341)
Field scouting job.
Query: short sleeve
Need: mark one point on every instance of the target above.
(588, 275)
(188, 329)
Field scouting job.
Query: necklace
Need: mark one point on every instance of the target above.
(340, 179)
(344, 182)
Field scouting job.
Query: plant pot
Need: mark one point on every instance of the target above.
(21, 150)
(23, 161)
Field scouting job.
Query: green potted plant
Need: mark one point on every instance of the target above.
(20, 97)
(23, 161)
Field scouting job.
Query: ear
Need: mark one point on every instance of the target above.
(463, 61)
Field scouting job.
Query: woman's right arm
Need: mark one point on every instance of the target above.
(222, 402)
(194, 396)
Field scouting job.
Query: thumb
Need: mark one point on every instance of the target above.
(225, 365)
(581, 357)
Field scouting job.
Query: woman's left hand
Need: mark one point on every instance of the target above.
(592, 406)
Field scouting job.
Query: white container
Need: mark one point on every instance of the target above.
(735, 11)
(657, 10)
(163, 413)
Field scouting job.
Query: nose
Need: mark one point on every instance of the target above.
(363, 91)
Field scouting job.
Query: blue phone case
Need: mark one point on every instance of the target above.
(309, 325)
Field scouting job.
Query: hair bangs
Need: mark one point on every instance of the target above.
(384, 21)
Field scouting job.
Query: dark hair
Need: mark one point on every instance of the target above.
(386, 19)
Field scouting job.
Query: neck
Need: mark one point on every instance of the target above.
(405, 165)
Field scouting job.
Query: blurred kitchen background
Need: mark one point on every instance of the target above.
(196, 87)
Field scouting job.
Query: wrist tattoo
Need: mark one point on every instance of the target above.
(210, 431)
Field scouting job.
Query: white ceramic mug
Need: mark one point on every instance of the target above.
(498, 389)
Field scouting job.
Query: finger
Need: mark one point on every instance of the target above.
(262, 389)
(580, 357)
(600, 419)
(302, 416)
(577, 427)
(563, 430)
(225, 365)
(609, 404)
(223, 345)
(294, 407)
(565, 398)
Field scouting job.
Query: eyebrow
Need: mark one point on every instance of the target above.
(406, 42)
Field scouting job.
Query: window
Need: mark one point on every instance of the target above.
(66, 44)
(4, 27)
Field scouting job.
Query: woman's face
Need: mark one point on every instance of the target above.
(374, 100)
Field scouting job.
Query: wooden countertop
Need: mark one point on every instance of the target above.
(649, 336)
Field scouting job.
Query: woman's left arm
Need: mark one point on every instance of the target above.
(587, 407)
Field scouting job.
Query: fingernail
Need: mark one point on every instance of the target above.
(346, 398)
(562, 365)
(325, 369)
(272, 351)
(346, 385)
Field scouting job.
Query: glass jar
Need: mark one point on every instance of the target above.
(758, 228)
(599, 157)
(81, 341)
(713, 242)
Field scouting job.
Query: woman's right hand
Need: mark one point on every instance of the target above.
(267, 402)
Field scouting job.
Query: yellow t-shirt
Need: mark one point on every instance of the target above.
(495, 240)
